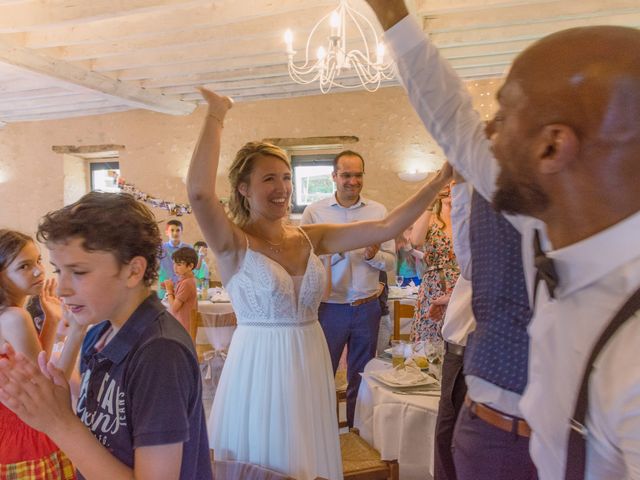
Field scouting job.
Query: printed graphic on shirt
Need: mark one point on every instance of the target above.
(102, 411)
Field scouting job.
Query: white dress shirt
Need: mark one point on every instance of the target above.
(458, 319)
(352, 276)
(596, 275)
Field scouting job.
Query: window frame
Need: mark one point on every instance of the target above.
(99, 165)
(299, 159)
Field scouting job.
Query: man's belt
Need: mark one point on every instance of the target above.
(454, 348)
(360, 301)
(498, 419)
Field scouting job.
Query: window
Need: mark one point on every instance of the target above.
(104, 176)
(311, 179)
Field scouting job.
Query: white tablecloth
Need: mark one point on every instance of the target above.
(400, 427)
(220, 324)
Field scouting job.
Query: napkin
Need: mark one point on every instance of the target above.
(218, 294)
(409, 375)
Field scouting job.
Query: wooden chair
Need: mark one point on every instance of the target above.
(360, 461)
(400, 310)
(231, 470)
(194, 324)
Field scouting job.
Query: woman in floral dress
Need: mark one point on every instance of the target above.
(440, 270)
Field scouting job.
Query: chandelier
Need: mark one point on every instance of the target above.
(337, 65)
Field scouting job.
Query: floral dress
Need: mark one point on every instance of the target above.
(440, 276)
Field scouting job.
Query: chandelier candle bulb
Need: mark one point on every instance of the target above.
(288, 39)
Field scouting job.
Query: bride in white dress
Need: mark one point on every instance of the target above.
(275, 403)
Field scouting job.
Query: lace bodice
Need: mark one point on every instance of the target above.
(262, 292)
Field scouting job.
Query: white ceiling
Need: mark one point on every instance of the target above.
(62, 58)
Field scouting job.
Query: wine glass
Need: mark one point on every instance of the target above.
(399, 280)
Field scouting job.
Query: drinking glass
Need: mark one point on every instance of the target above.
(399, 280)
(397, 353)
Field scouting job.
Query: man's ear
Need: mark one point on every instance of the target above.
(243, 188)
(557, 146)
(137, 267)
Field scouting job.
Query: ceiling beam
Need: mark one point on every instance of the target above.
(44, 15)
(124, 93)
(139, 26)
(19, 117)
(532, 13)
(187, 36)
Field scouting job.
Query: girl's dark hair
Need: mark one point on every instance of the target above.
(11, 242)
(109, 222)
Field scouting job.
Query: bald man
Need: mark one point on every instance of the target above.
(562, 153)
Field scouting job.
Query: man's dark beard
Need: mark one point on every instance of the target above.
(524, 199)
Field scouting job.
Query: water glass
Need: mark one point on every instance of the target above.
(397, 352)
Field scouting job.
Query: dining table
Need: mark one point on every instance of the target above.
(218, 324)
(401, 426)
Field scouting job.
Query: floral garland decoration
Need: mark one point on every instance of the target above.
(177, 209)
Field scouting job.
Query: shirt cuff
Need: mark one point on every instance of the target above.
(403, 36)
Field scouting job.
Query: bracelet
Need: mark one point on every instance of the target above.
(220, 121)
(170, 293)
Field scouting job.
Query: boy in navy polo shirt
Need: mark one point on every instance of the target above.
(139, 412)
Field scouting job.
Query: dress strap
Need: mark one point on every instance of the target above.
(306, 236)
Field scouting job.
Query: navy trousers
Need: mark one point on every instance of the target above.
(357, 328)
(484, 452)
(453, 391)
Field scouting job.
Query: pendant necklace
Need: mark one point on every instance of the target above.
(275, 247)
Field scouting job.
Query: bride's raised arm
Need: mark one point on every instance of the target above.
(223, 237)
(329, 238)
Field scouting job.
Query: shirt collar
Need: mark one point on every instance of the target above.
(129, 335)
(591, 259)
(334, 202)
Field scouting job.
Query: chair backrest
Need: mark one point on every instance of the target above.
(400, 310)
(230, 470)
(195, 321)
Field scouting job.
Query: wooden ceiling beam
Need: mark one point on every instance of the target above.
(18, 117)
(139, 26)
(188, 36)
(532, 13)
(124, 93)
(44, 15)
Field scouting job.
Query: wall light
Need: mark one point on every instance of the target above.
(412, 176)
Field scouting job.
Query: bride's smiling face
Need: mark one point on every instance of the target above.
(269, 189)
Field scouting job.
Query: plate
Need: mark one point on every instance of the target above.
(386, 378)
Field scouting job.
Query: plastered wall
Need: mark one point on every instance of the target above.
(158, 147)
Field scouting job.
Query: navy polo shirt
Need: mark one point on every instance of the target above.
(144, 389)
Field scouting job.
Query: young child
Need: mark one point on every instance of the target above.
(201, 271)
(173, 231)
(26, 453)
(139, 412)
(184, 296)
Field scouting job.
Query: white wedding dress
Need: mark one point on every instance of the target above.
(275, 403)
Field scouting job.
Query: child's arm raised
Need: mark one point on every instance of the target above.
(52, 308)
(223, 237)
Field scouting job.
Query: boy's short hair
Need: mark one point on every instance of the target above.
(110, 222)
(199, 244)
(177, 223)
(186, 255)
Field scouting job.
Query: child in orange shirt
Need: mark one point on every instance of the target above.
(184, 297)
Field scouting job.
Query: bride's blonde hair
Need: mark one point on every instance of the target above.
(240, 171)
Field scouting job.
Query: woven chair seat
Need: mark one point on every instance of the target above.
(358, 455)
